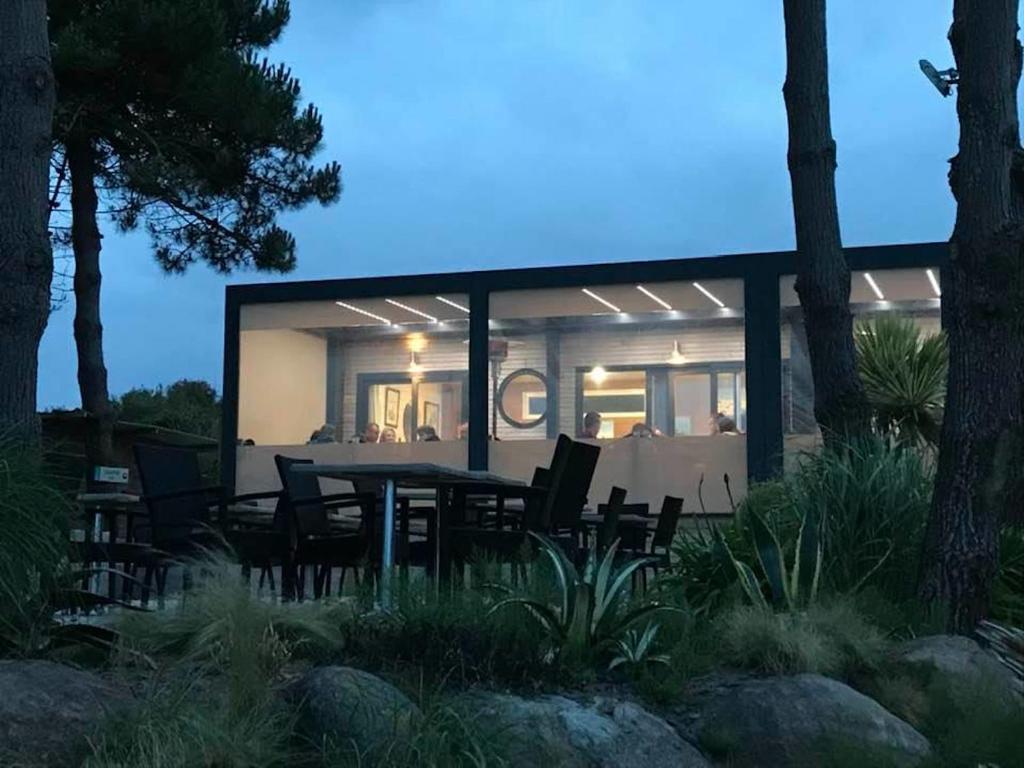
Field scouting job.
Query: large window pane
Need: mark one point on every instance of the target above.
(352, 380)
(648, 371)
(911, 293)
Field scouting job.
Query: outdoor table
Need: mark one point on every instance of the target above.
(440, 478)
(106, 505)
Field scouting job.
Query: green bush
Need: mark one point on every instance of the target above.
(904, 378)
(1008, 591)
(33, 545)
(590, 613)
(873, 498)
(449, 638)
(830, 640)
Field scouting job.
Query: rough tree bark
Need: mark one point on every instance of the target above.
(26, 261)
(980, 475)
(823, 277)
(86, 244)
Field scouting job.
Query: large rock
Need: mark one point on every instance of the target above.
(557, 731)
(352, 709)
(48, 711)
(960, 665)
(793, 722)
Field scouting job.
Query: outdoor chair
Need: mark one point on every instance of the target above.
(556, 494)
(661, 541)
(319, 544)
(187, 519)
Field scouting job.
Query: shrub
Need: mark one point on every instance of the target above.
(873, 498)
(904, 378)
(587, 617)
(33, 547)
(1008, 591)
(448, 638)
(830, 640)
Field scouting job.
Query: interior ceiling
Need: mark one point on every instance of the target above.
(895, 284)
(328, 314)
(573, 302)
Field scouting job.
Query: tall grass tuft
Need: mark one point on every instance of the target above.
(872, 497)
(221, 625)
(181, 724)
(34, 516)
(826, 639)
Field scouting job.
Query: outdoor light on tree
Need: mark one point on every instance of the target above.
(943, 80)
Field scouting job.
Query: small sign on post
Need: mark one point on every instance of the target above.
(110, 474)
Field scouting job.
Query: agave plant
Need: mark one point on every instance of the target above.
(791, 589)
(635, 649)
(904, 377)
(587, 617)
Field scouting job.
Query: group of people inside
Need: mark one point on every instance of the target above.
(718, 424)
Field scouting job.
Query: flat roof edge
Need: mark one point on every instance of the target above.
(891, 255)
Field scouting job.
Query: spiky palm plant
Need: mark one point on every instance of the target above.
(904, 377)
(588, 617)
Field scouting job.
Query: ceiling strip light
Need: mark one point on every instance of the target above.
(595, 297)
(709, 294)
(363, 312)
(407, 308)
(451, 303)
(651, 296)
(874, 286)
(934, 281)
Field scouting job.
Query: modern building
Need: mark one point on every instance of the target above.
(697, 367)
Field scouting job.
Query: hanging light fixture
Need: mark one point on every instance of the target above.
(598, 374)
(677, 357)
(414, 362)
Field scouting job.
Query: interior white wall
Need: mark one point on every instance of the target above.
(282, 386)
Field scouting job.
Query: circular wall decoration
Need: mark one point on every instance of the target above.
(522, 398)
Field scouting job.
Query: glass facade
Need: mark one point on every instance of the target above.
(678, 369)
(911, 293)
(352, 381)
(653, 372)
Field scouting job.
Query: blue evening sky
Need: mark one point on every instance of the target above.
(488, 133)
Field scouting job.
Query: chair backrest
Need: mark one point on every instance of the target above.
(668, 521)
(164, 470)
(570, 484)
(302, 489)
(609, 528)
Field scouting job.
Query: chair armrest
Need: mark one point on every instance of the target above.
(253, 497)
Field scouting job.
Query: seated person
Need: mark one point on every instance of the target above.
(426, 434)
(641, 430)
(370, 434)
(722, 424)
(591, 425)
(389, 435)
(323, 435)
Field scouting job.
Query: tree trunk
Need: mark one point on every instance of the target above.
(980, 476)
(823, 278)
(26, 261)
(85, 242)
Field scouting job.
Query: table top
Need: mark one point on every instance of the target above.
(108, 498)
(409, 475)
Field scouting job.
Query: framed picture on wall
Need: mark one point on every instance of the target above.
(392, 404)
(431, 414)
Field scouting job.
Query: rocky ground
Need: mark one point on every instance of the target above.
(48, 712)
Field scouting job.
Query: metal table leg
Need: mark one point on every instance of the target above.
(388, 553)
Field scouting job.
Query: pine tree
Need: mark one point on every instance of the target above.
(168, 116)
(26, 262)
